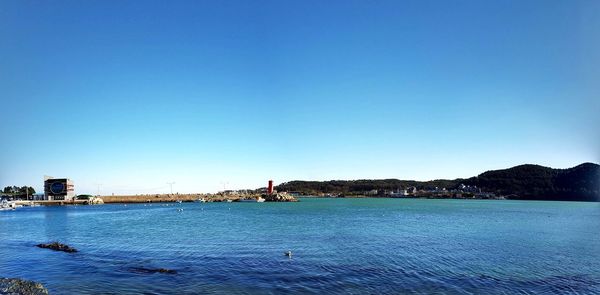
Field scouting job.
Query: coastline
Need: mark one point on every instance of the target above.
(210, 198)
(170, 198)
(161, 198)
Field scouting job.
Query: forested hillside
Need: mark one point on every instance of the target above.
(532, 182)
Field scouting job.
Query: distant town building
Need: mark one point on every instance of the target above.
(412, 190)
(469, 188)
(38, 197)
(61, 189)
(398, 193)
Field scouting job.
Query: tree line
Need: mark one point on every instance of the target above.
(18, 191)
(526, 182)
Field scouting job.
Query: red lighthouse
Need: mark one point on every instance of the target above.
(270, 187)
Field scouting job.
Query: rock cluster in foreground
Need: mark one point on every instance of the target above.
(56, 246)
(21, 287)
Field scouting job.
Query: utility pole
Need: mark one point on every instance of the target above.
(171, 184)
(98, 189)
(224, 183)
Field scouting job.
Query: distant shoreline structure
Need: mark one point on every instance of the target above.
(524, 182)
(208, 198)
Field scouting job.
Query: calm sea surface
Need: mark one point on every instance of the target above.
(340, 246)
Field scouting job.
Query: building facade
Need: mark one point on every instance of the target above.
(59, 189)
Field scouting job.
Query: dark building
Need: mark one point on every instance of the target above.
(59, 189)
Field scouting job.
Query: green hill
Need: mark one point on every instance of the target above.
(527, 182)
(534, 182)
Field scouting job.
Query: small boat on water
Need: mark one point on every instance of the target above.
(201, 200)
(253, 200)
(6, 205)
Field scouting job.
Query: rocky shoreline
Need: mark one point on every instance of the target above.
(279, 198)
(13, 286)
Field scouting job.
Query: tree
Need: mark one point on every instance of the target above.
(26, 190)
(19, 192)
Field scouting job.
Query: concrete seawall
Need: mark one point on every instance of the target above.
(51, 203)
(156, 198)
(162, 198)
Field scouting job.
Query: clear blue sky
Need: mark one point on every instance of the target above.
(135, 94)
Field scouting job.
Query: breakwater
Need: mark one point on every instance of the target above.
(51, 203)
(152, 198)
(165, 198)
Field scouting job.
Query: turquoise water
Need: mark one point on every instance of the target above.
(340, 246)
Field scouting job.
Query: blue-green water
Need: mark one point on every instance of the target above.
(340, 246)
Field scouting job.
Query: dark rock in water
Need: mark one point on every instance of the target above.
(21, 287)
(153, 270)
(56, 246)
(164, 270)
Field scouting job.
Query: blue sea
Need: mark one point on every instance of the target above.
(339, 246)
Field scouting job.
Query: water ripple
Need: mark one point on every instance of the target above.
(340, 247)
